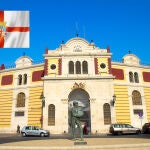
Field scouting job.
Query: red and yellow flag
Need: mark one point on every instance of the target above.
(14, 29)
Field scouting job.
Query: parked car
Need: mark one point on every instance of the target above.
(34, 131)
(146, 128)
(123, 129)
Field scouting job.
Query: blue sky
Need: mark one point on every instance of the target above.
(122, 24)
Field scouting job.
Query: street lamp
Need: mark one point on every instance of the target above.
(43, 105)
(113, 100)
(43, 100)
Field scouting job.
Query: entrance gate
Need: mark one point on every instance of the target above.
(82, 97)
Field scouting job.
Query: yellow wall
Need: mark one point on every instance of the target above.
(53, 72)
(105, 61)
(34, 106)
(5, 108)
(122, 104)
(147, 101)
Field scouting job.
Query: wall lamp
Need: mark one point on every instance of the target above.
(43, 100)
(112, 102)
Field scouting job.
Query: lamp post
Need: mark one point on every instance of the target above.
(113, 100)
(42, 106)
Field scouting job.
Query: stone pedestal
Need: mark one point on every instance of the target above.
(79, 142)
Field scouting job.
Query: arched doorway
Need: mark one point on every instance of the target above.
(82, 97)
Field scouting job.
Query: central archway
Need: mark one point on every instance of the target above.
(82, 97)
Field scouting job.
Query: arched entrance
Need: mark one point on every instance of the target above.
(82, 97)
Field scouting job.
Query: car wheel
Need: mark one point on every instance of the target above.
(115, 133)
(138, 132)
(143, 132)
(42, 134)
(23, 134)
(119, 133)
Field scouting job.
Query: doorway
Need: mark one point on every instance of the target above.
(82, 97)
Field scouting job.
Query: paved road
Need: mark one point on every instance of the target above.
(99, 142)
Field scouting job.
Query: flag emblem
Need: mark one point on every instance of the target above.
(14, 29)
(2, 29)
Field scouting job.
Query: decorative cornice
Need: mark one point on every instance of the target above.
(12, 87)
(22, 68)
(78, 77)
(129, 65)
(131, 84)
(88, 53)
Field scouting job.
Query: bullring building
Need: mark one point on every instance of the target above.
(42, 94)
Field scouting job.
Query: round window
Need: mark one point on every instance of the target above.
(53, 66)
(102, 65)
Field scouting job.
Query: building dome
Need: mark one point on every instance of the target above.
(23, 61)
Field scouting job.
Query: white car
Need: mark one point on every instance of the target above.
(123, 129)
(34, 131)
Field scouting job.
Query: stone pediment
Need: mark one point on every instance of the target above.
(77, 44)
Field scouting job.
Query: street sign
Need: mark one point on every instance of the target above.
(140, 114)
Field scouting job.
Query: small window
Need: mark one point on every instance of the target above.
(136, 77)
(131, 77)
(107, 113)
(136, 98)
(20, 100)
(25, 78)
(53, 66)
(51, 115)
(71, 67)
(19, 79)
(102, 65)
(78, 67)
(85, 67)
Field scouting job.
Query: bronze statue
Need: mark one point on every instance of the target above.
(76, 113)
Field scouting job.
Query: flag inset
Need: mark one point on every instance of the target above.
(14, 29)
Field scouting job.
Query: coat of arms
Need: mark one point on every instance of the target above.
(2, 29)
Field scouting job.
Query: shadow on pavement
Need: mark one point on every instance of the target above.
(9, 138)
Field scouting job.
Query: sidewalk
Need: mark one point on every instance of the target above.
(97, 143)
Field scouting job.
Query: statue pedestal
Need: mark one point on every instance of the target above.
(77, 142)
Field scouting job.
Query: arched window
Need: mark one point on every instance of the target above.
(136, 77)
(85, 67)
(78, 67)
(136, 98)
(71, 67)
(107, 113)
(25, 78)
(20, 100)
(131, 77)
(51, 115)
(19, 79)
